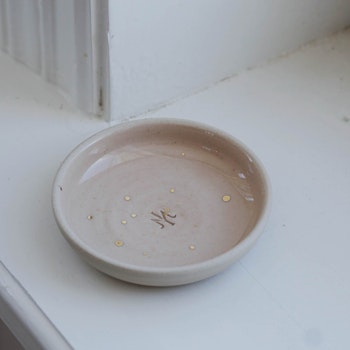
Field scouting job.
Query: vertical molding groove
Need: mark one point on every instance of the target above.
(22, 27)
(65, 42)
(3, 26)
(100, 55)
(84, 83)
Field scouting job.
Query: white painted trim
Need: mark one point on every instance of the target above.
(64, 41)
(24, 317)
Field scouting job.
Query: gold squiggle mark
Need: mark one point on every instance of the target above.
(163, 218)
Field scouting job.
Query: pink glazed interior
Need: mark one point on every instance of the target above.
(161, 195)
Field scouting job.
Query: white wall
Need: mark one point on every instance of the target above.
(165, 49)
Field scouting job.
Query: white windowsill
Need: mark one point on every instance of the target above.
(291, 291)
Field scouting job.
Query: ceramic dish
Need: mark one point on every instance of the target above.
(161, 202)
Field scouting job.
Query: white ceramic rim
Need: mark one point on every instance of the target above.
(136, 272)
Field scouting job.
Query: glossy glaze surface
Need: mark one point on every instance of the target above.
(160, 202)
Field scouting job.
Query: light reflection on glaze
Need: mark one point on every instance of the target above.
(206, 148)
(210, 133)
(242, 185)
(113, 159)
(209, 149)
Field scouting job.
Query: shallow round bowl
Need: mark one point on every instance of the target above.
(161, 202)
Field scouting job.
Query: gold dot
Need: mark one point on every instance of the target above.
(192, 247)
(144, 254)
(127, 198)
(172, 190)
(183, 154)
(119, 243)
(124, 222)
(226, 198)
(133, 215)
(90, 217)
